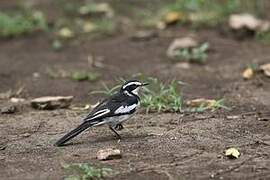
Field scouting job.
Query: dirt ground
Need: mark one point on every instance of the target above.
(154, 146)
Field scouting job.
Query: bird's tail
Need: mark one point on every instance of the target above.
(73, 133)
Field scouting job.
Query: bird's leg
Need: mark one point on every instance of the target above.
(119, 127)
(113, 130)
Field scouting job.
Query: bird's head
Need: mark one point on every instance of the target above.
(132, 87)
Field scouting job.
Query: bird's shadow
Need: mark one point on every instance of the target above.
(108, 138)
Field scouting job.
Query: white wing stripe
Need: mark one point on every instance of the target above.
(125, 109)
(100, 113)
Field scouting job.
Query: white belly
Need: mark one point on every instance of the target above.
(117, 120)
(113, 121)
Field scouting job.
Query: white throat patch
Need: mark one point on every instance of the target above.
(136, 91)
(127, 93)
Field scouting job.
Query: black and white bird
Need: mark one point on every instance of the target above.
(112, 111)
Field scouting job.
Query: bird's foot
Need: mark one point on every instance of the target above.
(119, 127)
(113, 130)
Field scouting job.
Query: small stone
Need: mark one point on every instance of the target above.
(36, 75)
(183, 65)
(17, 100)
(266, 69)
(25, 135)
(108, 154)
(247, 21)
(8, 109)
(181, 43)
(144, 35)
(232, 117)
(51, 102)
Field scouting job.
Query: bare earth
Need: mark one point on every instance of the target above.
(154, 146)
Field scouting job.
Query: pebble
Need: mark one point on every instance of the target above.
(8, 109)
(51, 102)
(108, 154)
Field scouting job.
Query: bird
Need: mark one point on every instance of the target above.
(112, 111)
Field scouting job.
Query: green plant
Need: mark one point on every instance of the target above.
(159, 97)
(84, 171)
(105, 26)
(84, 76)
(21, 23)
(197, 54)
(263, 37)
(216, 104)
(253, 66)
(88, 19)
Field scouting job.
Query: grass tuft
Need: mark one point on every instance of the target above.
(213, 106)
(160, 97)
(84, 76)
(84, 171)
(195, 55)
(263, 37)
(21, 23)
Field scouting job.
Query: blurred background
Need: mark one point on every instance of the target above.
(72, 47)
(207, 62)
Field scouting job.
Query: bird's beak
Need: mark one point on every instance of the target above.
(144, 84)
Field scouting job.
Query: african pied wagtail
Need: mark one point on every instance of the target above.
(112, 111)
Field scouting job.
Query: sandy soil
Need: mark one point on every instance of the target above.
(154, 146)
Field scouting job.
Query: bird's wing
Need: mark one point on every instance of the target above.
(106, 108)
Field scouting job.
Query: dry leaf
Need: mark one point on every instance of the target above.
(65, 33)
(172, 17)
(248, 73)
(88, 27)
(232, 153)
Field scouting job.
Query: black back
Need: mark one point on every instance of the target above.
(112, 103)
